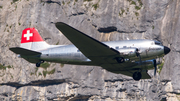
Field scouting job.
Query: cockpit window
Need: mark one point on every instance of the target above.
(157, 43)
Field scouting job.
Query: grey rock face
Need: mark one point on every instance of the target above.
(105, 20)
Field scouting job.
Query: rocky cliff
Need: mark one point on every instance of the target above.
(105, 20)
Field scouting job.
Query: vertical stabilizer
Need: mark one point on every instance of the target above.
(32, 40)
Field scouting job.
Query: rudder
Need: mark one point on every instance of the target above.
(32, 40)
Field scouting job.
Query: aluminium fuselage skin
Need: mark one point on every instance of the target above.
(69, 54)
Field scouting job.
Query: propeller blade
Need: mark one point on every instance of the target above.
(155, 67)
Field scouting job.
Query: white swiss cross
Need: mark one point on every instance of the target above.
(28, 35)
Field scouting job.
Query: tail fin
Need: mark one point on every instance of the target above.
(32, 40)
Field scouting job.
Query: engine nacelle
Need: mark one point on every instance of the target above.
(128, 52)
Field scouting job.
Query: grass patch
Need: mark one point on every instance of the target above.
(9, 66)
(14, 1)
(68, 2)
(87, 0)
(121, 13)
(152, 27)
(136, 13)
(11, 76)
(127, 9)
(160, 66)
(76, 0)
(52, 71)
(45, 65)
(31, 73)
(133, 3)
(95, 6)
(61, 65)
(4, 67)
(36, 70)
(137, 7)
(57, 43)
(1, 6)
(48, 72)
(63, 2)
(39, 73)
(140, 3)
(44, 73)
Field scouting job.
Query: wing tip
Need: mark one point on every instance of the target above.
(60, 23)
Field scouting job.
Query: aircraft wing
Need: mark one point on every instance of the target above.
(125, 69)
(98, 52)
(145, 75)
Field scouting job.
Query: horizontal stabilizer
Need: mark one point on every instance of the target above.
(23, 51)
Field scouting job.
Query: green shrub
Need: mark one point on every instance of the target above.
(95, 6)
(140, 3)
(2, 67)
(39, 73)
(15, 1)
(133, 2)
(63, 2)
(52, 71)
(45, 65)
(160, 66)
(136, 13)
(137, 7)
(48, 72)
(87, 0)
(44, 73)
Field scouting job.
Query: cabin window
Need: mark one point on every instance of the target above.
(124, 46)
(78, 50)
(157, 43)
(117, 47)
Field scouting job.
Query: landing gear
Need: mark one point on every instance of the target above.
(120, 59)
(39, 63)
(137, 76)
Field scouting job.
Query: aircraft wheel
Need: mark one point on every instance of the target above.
(42, 61)
(137, 76)
(38, 64)
(120, 59)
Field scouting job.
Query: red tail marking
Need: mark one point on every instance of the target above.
(30, 35)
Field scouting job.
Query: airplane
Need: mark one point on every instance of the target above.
(128, 57)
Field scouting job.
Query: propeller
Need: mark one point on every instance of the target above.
(155, 66)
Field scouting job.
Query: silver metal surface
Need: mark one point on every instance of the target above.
(71, 55)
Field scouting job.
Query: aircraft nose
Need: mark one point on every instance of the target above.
(166, 50)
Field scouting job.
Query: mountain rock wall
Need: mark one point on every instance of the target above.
(104, 20)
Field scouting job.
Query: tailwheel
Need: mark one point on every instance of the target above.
(137, 76)
(39, 63)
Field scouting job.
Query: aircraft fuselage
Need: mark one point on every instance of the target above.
(69, 54)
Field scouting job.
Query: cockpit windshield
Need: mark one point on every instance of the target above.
(157, 43)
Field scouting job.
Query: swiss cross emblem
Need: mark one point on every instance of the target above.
(28, 35)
